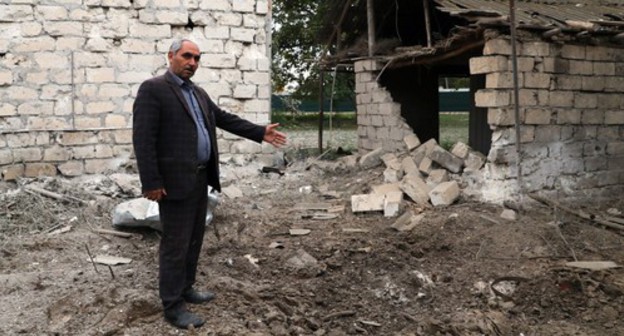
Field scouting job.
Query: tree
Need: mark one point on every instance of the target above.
(299, 30)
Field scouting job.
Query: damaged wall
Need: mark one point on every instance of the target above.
(69, 72)
(571, 115)
(379, 119)
(571, 118)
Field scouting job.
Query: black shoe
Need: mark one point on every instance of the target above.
(183, 318)
(193, 296)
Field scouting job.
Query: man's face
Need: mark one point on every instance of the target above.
(184, 63)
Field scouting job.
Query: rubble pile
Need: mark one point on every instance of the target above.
(425, 173)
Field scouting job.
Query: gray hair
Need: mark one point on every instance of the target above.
(176, 45)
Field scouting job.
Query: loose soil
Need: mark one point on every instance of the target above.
(463, 270)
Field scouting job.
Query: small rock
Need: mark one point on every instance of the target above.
(509, 215)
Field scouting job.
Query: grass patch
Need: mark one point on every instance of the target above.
(310, 120)
(453, 129)
(453, 126)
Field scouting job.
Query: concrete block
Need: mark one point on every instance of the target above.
(538, 116)
(416, 189)
(436, 177)
(492, 98)
(444, 194)
(541, 49)
(39, 169)
(614, 117)
(391, 161)
(460, 150)
(409, 166)
(371, 159)
(488, 64)
(561, 99)
(71, 168)
(474, 161)
(447, 160)
(12, 173)
(571, 51)
(497, 46)
(537, 80)
(425, 165)
(411, 141)
(407, 221)
(367, 202)
(392, 203)
(385, 188)
(392, 175)
(349, 161)
(581, 68)
(509, 215)
(500, 80)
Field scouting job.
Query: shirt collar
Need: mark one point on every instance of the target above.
(179, 81)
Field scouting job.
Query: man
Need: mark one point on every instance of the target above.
(176, 150)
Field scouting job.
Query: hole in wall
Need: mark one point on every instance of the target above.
(190, 24)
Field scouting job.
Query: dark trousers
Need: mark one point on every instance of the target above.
(184, 223)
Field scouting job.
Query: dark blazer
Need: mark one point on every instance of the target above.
(165, 137)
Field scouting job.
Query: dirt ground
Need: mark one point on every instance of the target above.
(463, 270)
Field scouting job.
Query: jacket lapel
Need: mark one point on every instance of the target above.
(178, 92)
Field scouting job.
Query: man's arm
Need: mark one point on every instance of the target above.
(145, 126)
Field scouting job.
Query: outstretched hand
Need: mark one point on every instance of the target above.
(273, 136)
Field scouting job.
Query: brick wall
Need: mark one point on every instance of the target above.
(571, 115)
(70, 69)
(379, 119)
(571, 101)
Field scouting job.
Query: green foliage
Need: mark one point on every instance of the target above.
(297, 38)
(454, 82)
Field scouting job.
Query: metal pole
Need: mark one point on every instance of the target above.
(514, 63)
(321, 99)
(370, 10)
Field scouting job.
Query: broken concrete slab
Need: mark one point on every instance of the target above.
(301, 259)
(391, 161)
(446, 160)
(299, 232)
(460, 150)
(139, 212)
(446, 193)
(593, 265)
(425, 166)
(128, 183)
(509, 214)
(371, 159)
(367, 202)
(416, 189)
(474, 161)
(411, 141)
(437, 176)
(142, 212)
(110, 260)
(407, 221)
(392, 203)
(232, 192)
(392, 175)
(409, 166)
(354, 230)
(385, 188)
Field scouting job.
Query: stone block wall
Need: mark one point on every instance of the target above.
(571, 101)
(70, 69)
(379, 119)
